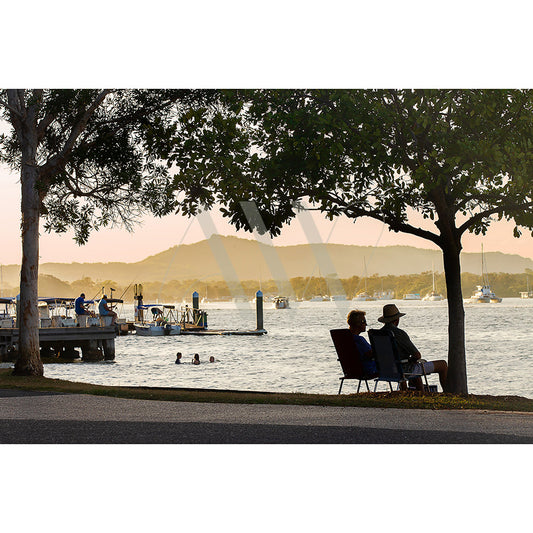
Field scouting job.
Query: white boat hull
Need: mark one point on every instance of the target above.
(152, 330)
(412, 297)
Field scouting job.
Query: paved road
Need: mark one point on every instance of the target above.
(49, 418)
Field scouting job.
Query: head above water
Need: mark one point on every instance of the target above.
(390, 314)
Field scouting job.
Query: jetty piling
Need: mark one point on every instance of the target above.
(259, 309)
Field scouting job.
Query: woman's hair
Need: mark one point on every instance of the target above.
(355, 317)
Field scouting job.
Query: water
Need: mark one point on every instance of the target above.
(297, 354)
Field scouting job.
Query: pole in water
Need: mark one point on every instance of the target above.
(195, 300)
(259, 309)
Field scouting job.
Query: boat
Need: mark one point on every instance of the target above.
(364, 296)
(337, 297)
(164, 321)
(384, 295)
(7, 313)
(317, 299)
(484, 293)
(433, 296)
(55, 312)
(281, 302)
(412, 296)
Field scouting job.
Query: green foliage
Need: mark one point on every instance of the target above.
(381, 153)
(102, 154)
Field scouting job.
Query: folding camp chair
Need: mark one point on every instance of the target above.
(388, 360)
(349, 357)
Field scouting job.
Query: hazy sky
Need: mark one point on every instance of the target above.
(156, 235)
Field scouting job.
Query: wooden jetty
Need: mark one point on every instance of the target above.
(96, 343)
(193, 320)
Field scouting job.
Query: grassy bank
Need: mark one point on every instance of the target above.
(404, 400)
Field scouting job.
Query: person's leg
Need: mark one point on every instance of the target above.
(441, 368)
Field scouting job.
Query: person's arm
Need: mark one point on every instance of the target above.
(406, 346)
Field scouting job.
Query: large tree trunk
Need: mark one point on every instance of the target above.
(456, 381)
(29, 361)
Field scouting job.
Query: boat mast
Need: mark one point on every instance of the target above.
(364, 270)
(484, 275)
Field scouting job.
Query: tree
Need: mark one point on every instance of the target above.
(87, 159)
(457, 157)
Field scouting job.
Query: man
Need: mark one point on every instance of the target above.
(408, 352)
(80, 306)
(357, 323)
(104, 310)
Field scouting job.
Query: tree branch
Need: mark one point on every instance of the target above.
(58, 162)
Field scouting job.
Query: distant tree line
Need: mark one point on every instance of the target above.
(503, 284)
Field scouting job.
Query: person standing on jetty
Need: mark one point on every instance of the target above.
(408, 352)
(357, 323)
(104, 310)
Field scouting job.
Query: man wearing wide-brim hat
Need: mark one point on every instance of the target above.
(409, 353)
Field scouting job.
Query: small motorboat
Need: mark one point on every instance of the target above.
(281, 302)
(164, 320)
(412, 296)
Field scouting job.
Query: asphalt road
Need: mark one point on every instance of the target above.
(49, 418)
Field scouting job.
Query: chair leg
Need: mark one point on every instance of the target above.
(358, 386)
(390, 385)
(375, 385)
(340, 388)
(367, 387)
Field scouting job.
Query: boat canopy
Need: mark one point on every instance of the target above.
(148, 306)
(7, 300)
(58, 300)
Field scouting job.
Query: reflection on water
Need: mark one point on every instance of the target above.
(297, 354)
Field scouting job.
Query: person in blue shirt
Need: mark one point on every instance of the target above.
(104, 310)
(357, 324)
(80, 306)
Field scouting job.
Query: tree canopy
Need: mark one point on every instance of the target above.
(457, 157)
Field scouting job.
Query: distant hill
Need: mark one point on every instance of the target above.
(226, 257)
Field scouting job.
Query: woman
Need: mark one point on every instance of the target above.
(357, 324)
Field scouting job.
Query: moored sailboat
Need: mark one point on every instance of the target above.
(433, 296)
(484, 293)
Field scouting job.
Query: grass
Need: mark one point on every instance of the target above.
(402, 400)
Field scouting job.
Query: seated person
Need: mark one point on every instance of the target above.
(408, 352)
(80, 307)
(104, 310)
(357, 324)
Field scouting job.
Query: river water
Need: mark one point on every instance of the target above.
(297, 354)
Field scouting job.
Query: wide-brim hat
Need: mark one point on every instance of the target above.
(390, 314)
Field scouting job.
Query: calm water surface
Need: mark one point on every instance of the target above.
(297, 354)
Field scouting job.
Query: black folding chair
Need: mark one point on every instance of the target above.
(349, 358)
(388, 360)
